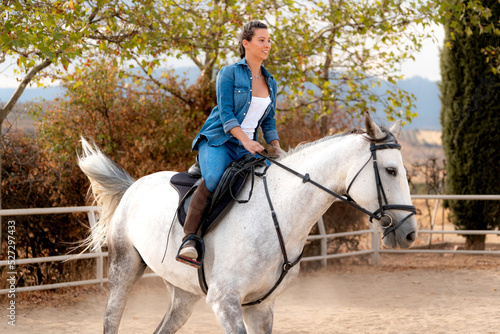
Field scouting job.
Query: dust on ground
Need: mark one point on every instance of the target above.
(406, 293)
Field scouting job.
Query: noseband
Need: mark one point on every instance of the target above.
(382, 199)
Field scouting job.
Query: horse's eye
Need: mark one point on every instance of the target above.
(392, 171)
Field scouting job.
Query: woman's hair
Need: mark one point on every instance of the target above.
(248, 32)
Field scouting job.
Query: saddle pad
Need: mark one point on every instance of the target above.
(182, 182)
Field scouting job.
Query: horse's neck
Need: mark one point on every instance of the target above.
(327, 163)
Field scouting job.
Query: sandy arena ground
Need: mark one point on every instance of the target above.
(405, 294)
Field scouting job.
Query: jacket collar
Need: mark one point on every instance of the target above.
(264, 71)
(243, 61)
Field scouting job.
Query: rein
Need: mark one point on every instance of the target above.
(378, 214)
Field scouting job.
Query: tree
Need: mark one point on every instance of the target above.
(327, 56)
(141, 128)
(337, 53)
(38, 34)
(470, 113)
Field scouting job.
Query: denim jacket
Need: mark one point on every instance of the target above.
(234, 94)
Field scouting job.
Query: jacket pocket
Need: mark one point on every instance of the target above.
(240, 97)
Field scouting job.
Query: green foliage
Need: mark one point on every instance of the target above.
(63, 31)
(326, 55)
(472, 18)
(336, 53)
(38, 34)
(470, 117)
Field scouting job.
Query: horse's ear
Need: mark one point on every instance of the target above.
(395, 129)
(372, 129)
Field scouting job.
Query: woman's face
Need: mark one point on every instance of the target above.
(259, 46)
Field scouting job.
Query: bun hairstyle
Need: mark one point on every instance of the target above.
(248, 32)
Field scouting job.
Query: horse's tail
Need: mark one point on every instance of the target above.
(108, 182)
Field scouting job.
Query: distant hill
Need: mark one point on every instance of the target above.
(421, 145)
(50, 93)
(30, 94)
(428, 105)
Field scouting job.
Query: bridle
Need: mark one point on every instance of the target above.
(382, 199)
(380, 212)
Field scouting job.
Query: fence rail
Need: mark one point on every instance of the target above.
(374, 251)
(98, 254)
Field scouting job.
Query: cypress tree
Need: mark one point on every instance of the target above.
(470, 119)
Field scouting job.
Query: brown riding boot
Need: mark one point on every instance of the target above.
(199, 204)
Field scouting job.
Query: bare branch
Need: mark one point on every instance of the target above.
(158, 83)
(20, 89)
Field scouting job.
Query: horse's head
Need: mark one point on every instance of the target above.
(379, 185)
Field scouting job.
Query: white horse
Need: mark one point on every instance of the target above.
(243, 257)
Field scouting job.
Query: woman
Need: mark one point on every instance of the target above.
(246, 100)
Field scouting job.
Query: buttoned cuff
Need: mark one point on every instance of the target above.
(232, 123)
(271, 135)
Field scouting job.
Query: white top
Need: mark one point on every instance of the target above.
(255, 112)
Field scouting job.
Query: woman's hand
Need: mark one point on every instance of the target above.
(253, 146)
(277, 148)
(277, 151)
(250, 145)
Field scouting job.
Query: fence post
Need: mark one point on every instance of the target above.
(322, 231)
(375, 245)
(433, 221)
(98, 250)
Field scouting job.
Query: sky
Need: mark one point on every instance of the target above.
(426, 64)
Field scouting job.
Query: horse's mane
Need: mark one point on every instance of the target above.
(388, 138)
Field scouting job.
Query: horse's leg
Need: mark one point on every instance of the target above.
(227, 307)
(125, 269)
(259, 318)
(181, 307)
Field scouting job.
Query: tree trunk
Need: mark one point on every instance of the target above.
(475, 242)
(6, 109)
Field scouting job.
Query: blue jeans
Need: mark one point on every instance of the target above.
(214, 160)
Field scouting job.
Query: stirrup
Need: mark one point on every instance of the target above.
(193, 263)
(196, 263)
